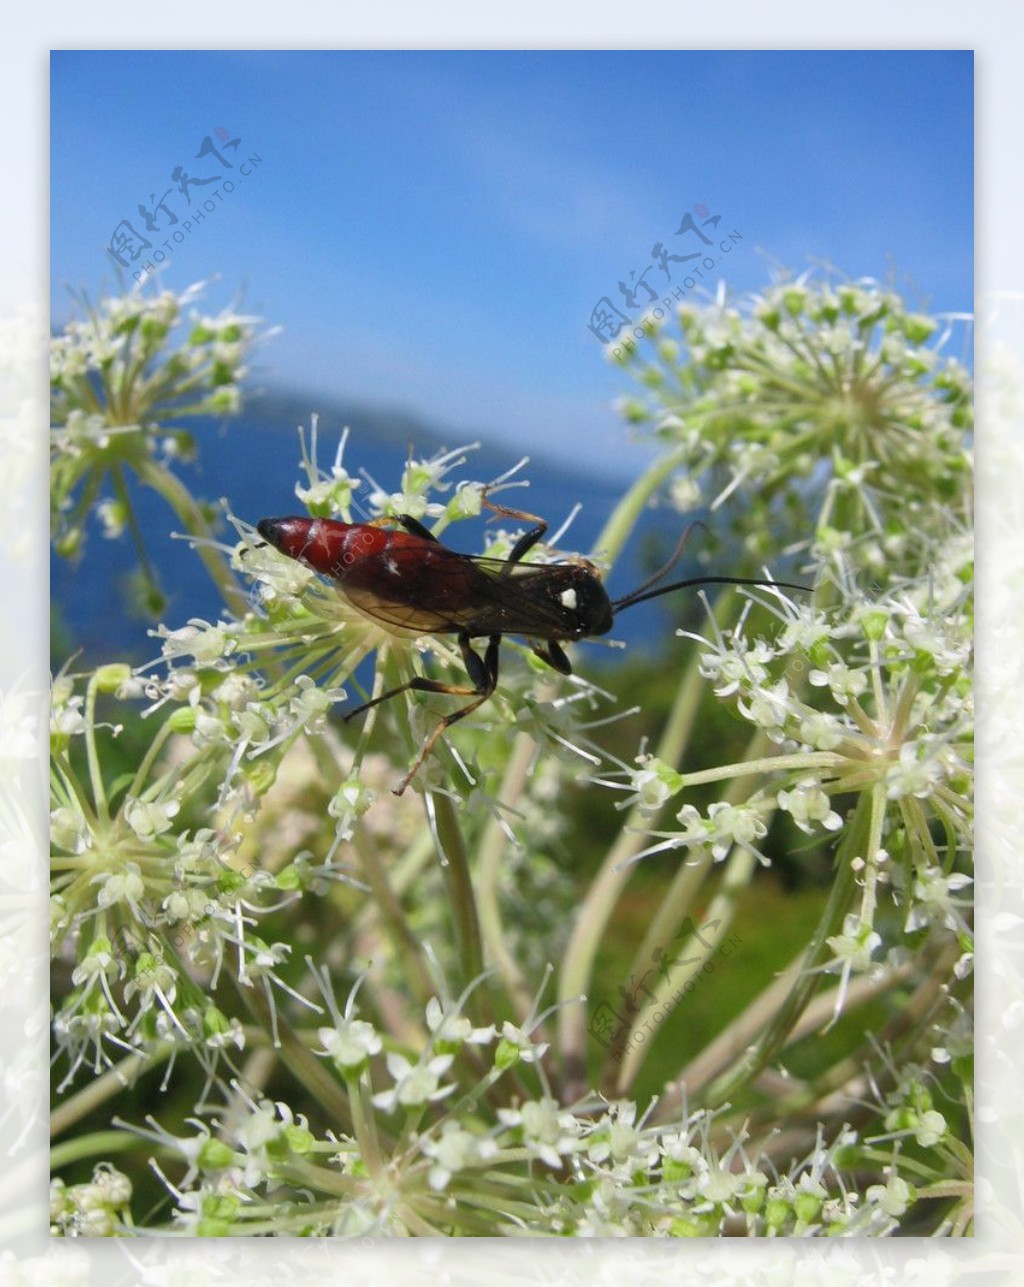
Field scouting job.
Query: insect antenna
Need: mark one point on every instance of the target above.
(646, 591)
(677, 554)
(638, 595)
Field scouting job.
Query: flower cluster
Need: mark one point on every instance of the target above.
(97, 1209)
(874, 706)
(148, 898)
(122, 377)
(827, 408)
(599, 1168)
(225, 843)
(821, 384)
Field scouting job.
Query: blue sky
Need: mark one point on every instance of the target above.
(432, 229)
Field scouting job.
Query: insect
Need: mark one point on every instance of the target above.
(410, 584)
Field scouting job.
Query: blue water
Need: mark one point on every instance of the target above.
(254, 463)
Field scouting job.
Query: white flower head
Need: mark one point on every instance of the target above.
(209, 645)
(516, 1045)
(451, 1029)
(652, 784)
(922, 766)
(311, 704)
(125, 886)
(454, 1150)
(415, 1084)
(150, 818)
(807, 804)
(820, 730)
(350, 1043)
(935, 900)
(547, 1130)
(735, 824)
(618, 1140)
(893, 1197)
(768, 707)
(855, 946)
(742, 666)
(843, 682)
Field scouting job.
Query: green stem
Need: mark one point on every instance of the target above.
(154, 749)
(802, 761)
(99, 1144)
(95, 773)
(905, 1032)
(775, 1035)
(364, 1126)
(739, 870)
(869, 879)
(626, 514)
(390, 911)
(599, 904)
(492, 849)
(111, 1084)
(121, 488)
(455, 868)
(307, 1069)
(180, 499)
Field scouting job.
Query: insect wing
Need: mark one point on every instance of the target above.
(425, 589)
(410, 588)
(523, 599)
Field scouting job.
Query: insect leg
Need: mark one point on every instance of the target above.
(414, 526)
(484, 673)
(419, 685)
(552, 653)
(528, 539)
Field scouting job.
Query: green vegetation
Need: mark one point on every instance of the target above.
(698, 970)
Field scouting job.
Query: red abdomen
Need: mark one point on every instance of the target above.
(405, 583)
(330, 547)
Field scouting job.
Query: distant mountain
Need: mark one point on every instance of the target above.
(286, 408)
(281, 409)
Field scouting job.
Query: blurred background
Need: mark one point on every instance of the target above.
(447, 239)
